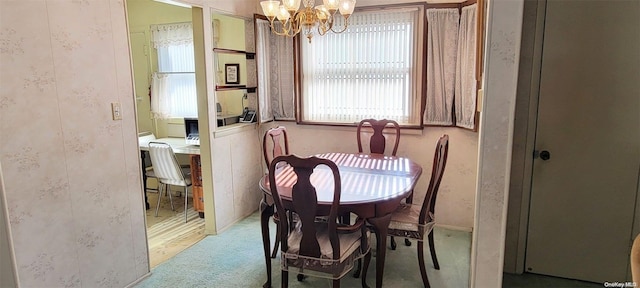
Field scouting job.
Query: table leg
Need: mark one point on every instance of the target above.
(266, 211)
(144, 179)
(381, 227)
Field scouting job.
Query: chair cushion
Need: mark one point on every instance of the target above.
(349, 242)
(404, 222)
(326, 266)
(186, 170)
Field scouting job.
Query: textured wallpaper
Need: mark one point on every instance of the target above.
(72, 177)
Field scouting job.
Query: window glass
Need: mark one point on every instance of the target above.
(371, 70)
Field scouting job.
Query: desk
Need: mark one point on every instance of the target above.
(179, 147)
(372, 187)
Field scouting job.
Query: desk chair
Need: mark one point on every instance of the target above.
(324, 249)
(278, 137)
(416, 221)
(168, 172)
(144, 138)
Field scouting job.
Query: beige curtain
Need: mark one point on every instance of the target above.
(275, 74)
(465, 91)
(442, 43)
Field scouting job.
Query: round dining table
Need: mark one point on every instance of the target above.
(373, 186)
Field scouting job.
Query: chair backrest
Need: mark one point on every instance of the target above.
(165, 164)
(279, 138)
(439, 163)
(377, 142)
(146, 137)
(304, 203)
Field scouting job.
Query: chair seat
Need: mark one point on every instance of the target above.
(186, 170)
(404, 222)
(326, 266)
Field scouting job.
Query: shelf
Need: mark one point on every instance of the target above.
(235, 87)
(249, 55)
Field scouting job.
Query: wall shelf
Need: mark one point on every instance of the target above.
(249, 55)
(235, 87)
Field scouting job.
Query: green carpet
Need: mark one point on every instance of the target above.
(234, 259)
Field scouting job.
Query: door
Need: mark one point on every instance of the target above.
(139, 54)
(583, 195)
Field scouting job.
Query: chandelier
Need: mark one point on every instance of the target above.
(308, 18)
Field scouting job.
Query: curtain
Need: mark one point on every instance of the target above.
(173, 87)
(275, 61)
(165, 35)
(465, 91)
(368, 71)
(160, 105)
(441, 65)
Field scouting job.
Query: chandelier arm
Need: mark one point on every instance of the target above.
(285, 31)
(346, 24)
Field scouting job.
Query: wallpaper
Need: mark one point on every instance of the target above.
(72, 174)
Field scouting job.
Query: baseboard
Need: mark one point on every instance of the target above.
(456, 228)
(134, 283)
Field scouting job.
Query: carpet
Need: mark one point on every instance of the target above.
(235, 259)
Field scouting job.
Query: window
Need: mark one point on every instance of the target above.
(173, 91)
(372, 70)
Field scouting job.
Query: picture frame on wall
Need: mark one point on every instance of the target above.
(232, 73)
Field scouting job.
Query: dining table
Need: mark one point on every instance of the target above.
(373, 185)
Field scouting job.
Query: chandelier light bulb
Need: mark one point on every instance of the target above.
(270, 8)
(332, 5)
(347, 6)
(283, 14)
(291, 5)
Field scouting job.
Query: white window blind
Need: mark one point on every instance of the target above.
(173, 90)
(369, 71)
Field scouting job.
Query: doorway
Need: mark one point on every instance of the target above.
(586, 161)
(167, 233)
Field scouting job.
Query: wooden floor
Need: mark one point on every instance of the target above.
(167, 233)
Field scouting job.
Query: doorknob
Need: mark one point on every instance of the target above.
(544, 155)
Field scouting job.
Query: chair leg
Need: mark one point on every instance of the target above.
(160, 185)
(277, 243)
(432, 248)
(407, 242)
(168, 189)
(285, 279)
(336, 283)
(423, 270)
(367, 260)
(356, 272)
(185, 204)
(393, 243)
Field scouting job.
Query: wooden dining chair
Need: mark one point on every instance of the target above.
(415, 221)
(324, 249)
(377, 144)
(277, 146)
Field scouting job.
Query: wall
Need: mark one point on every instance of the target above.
(72, 174)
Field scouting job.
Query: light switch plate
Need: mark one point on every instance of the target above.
(116, 111)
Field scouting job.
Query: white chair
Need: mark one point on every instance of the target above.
(144, 138)
(168, 172)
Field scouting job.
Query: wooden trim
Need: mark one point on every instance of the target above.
(333, 124)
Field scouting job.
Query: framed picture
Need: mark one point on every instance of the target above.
(232, 73)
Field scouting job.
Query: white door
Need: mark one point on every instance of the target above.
(583, 196)
(139, 54)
